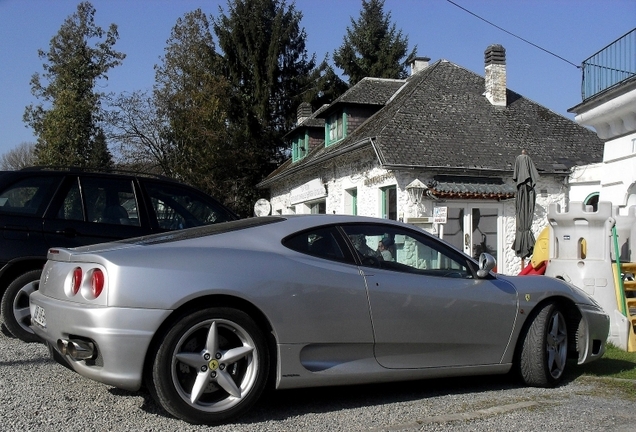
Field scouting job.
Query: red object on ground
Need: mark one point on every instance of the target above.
(530, 270)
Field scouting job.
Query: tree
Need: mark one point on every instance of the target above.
(323, 85)
(135, 125)
(373, 47)
(22, 156)
(192, 100)
(270, 73)
(68, 130)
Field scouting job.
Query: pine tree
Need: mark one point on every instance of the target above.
(68, 130)
(267, 65)
(373, 47)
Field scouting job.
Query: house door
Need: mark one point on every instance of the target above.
(473, 227)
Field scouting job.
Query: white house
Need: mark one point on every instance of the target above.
(436, 149)
(609, 106)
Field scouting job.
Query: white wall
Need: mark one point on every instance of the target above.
(619, 169)
(584, 181)
(360, 170)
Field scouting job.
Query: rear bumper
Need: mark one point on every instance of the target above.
(121, 336)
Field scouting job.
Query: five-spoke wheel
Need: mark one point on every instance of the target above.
(211, 366)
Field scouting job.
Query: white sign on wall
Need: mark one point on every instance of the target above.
(440, 214)
(311, 190)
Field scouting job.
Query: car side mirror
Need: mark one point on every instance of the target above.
(487, 262)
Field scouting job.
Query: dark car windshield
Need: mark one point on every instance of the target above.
(203, 231)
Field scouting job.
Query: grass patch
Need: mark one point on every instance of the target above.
(616, 370)
(615, 363)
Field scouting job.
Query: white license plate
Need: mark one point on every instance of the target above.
(39, 317)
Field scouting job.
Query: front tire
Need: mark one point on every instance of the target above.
(15, 305)
(544, 351)
(211, 366)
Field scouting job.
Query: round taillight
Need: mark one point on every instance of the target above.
(76, 280)
(97, 282)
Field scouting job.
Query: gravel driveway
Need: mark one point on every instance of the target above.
(38, 394)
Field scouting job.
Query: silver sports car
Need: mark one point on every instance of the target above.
(206, 317)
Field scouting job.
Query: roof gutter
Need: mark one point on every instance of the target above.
(464, 170)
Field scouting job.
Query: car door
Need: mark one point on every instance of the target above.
(93, 209)
(23, 200)
(427, 307)
(327, 302)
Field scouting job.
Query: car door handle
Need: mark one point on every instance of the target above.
(67, 232)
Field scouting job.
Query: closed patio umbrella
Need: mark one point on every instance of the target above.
(526, 176)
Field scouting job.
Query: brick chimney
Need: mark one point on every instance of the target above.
(303, 112)
(418, 64)
(495, 59)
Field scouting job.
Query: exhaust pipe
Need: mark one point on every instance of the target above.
(76, 349)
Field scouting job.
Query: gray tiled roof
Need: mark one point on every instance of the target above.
(440, 119)
(368, 91)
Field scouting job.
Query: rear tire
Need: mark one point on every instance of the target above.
(544, 352)
(15, 305)
(210, 366)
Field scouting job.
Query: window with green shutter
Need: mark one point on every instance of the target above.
(335, 128)
(300, 147)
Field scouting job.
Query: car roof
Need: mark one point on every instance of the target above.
(282, 224)
(57, 170)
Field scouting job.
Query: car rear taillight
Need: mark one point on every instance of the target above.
(97, 282)
(76, 280)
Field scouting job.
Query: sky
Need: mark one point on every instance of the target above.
(571, 29)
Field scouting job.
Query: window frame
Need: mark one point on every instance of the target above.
(395, 265)
(300, 147)
(336, 123)
(386, 202)
(348, 256)
(351, 201)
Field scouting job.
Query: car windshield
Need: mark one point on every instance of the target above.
(203, 231)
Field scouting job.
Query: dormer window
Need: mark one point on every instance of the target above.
(300, 147)
(335, 127)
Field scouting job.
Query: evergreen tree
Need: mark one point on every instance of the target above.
(323, 86)
(373, 47)
(193, 97)
(267, 65)
(68, 130)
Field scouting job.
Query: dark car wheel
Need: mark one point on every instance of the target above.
(545, 348)
(210, 366)
(15, 305)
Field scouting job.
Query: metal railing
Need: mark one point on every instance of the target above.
(613, 64)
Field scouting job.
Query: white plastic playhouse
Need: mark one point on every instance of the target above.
(596, 251)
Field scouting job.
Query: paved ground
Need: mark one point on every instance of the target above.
(38, 394)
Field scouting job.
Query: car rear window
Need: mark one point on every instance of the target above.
(26, 196)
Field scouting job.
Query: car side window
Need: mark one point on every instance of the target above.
(71, 208)
(26, 196)
(177, 208)
(108, 201)
(397, 249)
(321, 242)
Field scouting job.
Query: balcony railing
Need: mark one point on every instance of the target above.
(613, 64)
